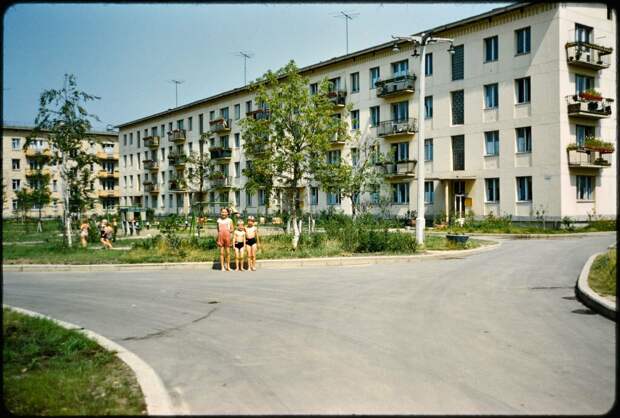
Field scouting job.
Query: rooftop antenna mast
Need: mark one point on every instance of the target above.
(245, 56)
(176, 91)
(346, 16)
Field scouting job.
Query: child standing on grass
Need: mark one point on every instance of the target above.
(239, 239)
(106, 234)
(224, 229)
(252, 242)
(84, 232)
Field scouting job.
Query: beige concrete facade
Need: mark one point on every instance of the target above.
(18, 165)
(535, 174)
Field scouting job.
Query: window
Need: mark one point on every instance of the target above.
(124, 161)
(224, 113)
(355, 157)
(314, 196)
(212, 115)
(237, 111)
(583, 83)
(374, 77)
(400, 193)
(15, 143)
(524, 189)
(237, 198)
(15, 164)
(314, 88)
(458, 107)
(429, 192)
(524, 139)
(584, 132)
(522, 86)
(333, 198)
(492, 190)
(400, 68)
(180, 124)
(428, 65)
(491, 96)
(355, 82)
(522, 37)
(163, 130)
(428, 149)
(131, 138)
(458, 152)
(248, 198)
(401, 151)
(585, 188)
(237, 140)
(583, 33)
(355, 120)
(125, 140)
(375, 116)
(333, 157)
(248, 106)
(237, 169)
(16, 184)
(491, 143)
(201, 124)
(261, 197)
(54, 185)
(190, 124)
(428, 107)
(400, 111)
(458, 63)
(491, 49)
(169, 127)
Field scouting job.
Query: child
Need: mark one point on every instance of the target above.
(224, 229)
(251, 236)
(104, 233)
(239, 238)
(84, 232)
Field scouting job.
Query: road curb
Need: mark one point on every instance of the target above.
(535, 236)
(269, 264)
(589, 297)
(156, 397)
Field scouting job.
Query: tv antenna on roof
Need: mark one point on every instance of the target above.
(176, 91)
(245, 56)
(346, 16)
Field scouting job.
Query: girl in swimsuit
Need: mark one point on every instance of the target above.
(84, 233)
(252, 242)
(224, 229)
(239, 238)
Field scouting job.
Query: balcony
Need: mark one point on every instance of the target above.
(177, 185)
(220, 153)
(178, 136)
(585, 158)
(399, 169)
(259, 114)
(33, 172)
(105, 174)
(151, 187)
(396, 86)
(584, 106)
(221, 182)
(108, 193)
(400, 127)
(177, 159)
(151, 141)
(337, 97)
(33, 152)
(588, 55)
(219, 125)
(104, 155)
(151, 165)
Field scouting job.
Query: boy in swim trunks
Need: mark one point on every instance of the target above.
(239, 241)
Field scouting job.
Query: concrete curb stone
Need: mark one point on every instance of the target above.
(276, 263)
(156, 397)
(534, 236)
(589, 297)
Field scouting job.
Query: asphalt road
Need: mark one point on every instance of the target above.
(497, 332)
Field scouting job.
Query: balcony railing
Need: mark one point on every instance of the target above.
(402, 84)
(105, 174)
(584, 158)
(151, 141)
(397, 127)
(151, 188)
(589, 108)
(222, 182)
(105, 155)
(177, 159)
(588, 55)
(38, 152)
(337, 97)
(219, 125)
(33, 172)
(177, 185)
(151, 165)
(220, 153)
(109, 193)
(405, 168)
(259, 114)
(177, 136)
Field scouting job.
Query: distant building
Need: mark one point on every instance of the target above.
(20, 166)
(501, 115)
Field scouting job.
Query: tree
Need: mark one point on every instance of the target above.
(39, 194)
(24, 203)
(64, 120)
(289, 143)
(197, 170)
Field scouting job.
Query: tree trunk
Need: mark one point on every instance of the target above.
(39, 223)
(66, 209)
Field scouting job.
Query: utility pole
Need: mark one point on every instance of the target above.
(346, 16)
(176, 91)
(245, 56)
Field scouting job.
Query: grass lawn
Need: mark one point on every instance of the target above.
(16, 231)
(159, 251)
(499, 227)
(602, 277)
(48, 370)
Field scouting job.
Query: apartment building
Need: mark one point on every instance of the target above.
(21, 168)
(507, 113)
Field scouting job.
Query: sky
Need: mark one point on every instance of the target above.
(127, 53)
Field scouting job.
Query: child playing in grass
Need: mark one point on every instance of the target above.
(239, 238)
(252, 242)
(224, 229)
(84, 233)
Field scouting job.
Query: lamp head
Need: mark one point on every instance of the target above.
(451, 49)
(415, 52)
(395, 48)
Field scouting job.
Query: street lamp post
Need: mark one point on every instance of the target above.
(421, 41)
